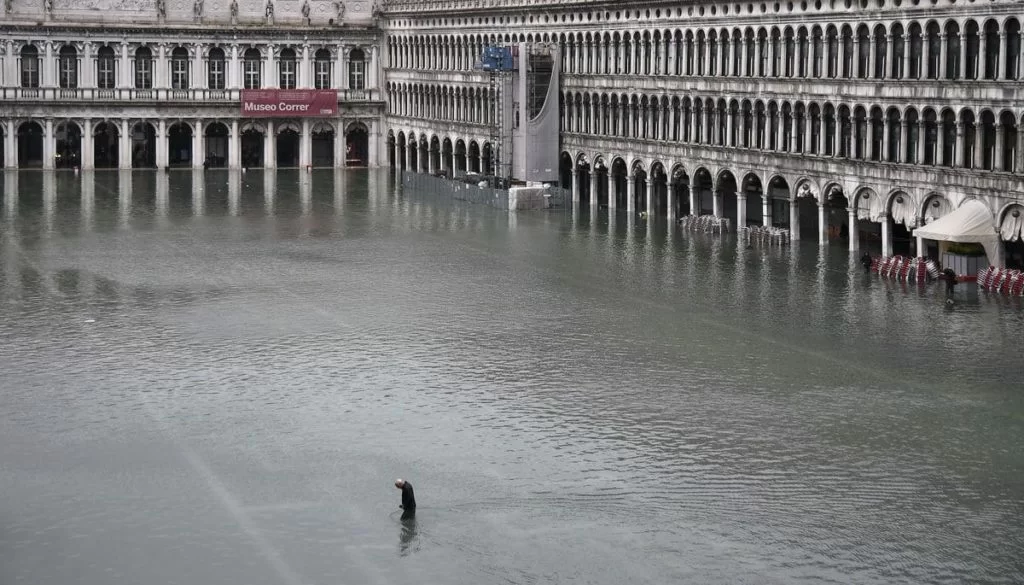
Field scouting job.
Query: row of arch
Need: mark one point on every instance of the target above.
(107, 138)
(429, 153)
(801, 204)
(964, 48)
(473, 105)
(961, 138)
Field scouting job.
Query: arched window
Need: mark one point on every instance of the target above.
(67, 66)
(106, 68)
(179, 68)
(29, 66)
(357, 69)
(143, 68)
(251, 69)
(286, 68)
(215, 69)
(322, 70)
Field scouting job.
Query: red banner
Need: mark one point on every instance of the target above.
(289, 103)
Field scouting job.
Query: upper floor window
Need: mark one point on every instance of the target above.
(179, 68)
(29, 66)
(67, 67)
(143, 68)
(357, 69)
(286, 65)
(106, 63)
(322, 69)
(251, 69)
(215, 64)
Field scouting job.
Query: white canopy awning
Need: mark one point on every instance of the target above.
(971, 222)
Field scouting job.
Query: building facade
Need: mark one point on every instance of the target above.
(840, 120)
(144, 83)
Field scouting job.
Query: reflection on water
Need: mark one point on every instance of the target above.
(408, 542)
(209, 376)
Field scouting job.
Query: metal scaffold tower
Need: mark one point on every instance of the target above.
(499, 63)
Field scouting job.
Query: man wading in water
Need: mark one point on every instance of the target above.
(408, 499)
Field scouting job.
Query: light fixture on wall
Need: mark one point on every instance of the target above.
(865, 196)
(935, 204)
(899, 199)
(1015, 213)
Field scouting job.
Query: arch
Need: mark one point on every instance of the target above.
(68, 147)
(143, 144)
(934, 206)
(357, 144)
(179, 144)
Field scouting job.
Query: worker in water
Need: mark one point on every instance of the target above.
(866, 261)
(951, 282)
(408, 498)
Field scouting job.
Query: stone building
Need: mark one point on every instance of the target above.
(155, 83)
(849, 120)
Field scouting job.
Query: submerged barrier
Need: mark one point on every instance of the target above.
(704, 223)
(767, 234)
(906, 269)
(480, 190)
(1002, 280)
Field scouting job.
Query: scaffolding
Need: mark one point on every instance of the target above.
(499, 63)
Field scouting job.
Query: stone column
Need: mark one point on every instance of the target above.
(940, 72)
(234, 73)
(593, 188)
(198, 145)
(921, 139)
(794, 219)
(886, 138)
(270, 146)
(958, 146)
(126, 68)
(822, 224)
(1019, 154)
(741, 211)
(48, 76)
(49, 144)
(963, 56)
(886, 235)
(160, 69)
(872, 51)
(269, 71)
(905, 74)
(575, 186)
(305, 75)
(926, 56)
(611, 190)
(855, 59)
(851, 214)
(235, 146)
(199, 79)
(1001, 65)
(766, 210)
(980, 63)
(940, 148)
(124, 147)
(88, 146)
(979, 145)
(672, 201)
(694, 202)
(631, 193)
(673, 57)
(161, 144)
(305, 145)
(888, 65)
(649, 195)
(903, 145)
(729, 126)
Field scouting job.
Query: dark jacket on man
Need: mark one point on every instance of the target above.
(408, 498)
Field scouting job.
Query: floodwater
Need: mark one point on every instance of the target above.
(216, 379)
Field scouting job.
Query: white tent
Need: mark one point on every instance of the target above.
(970, 223)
